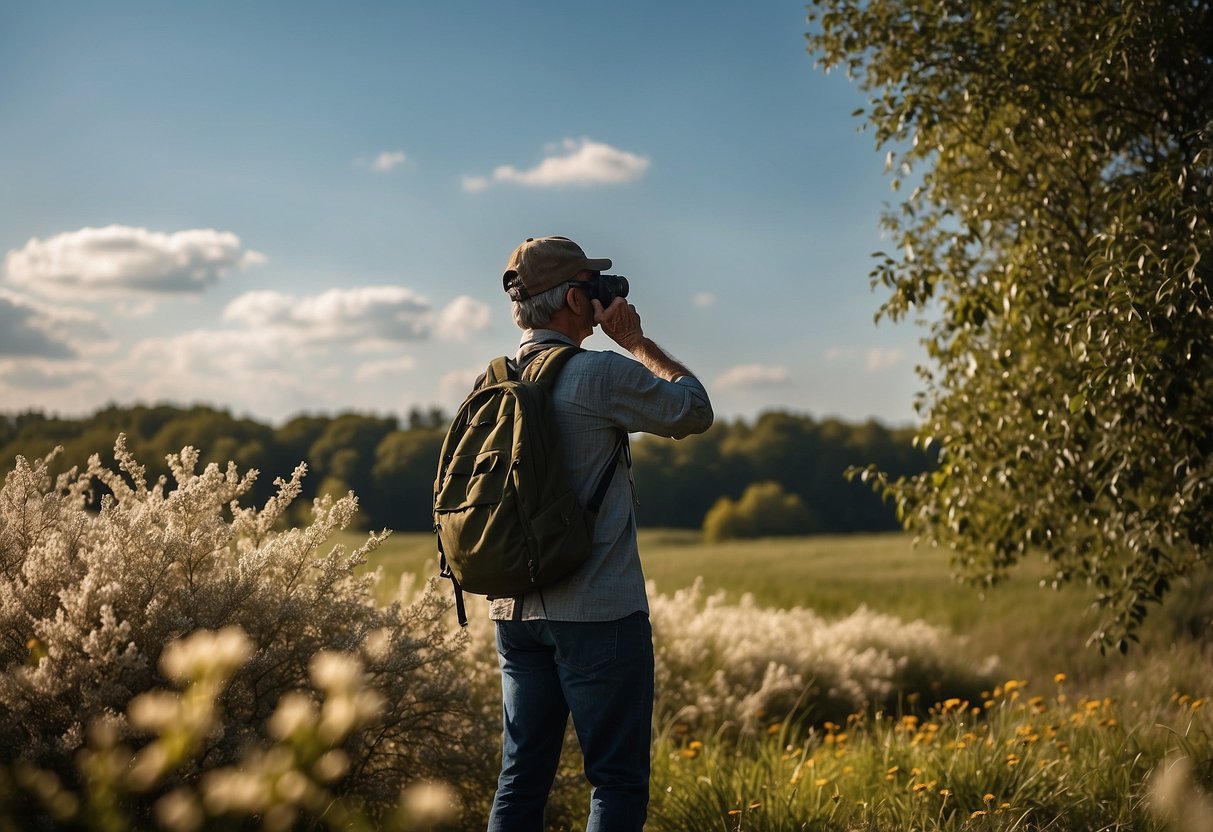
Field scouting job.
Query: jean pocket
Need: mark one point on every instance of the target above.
(585, 646)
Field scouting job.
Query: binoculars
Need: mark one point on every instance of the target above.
(604, 288)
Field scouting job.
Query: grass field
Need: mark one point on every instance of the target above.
(1034, 631)
(1070, 740)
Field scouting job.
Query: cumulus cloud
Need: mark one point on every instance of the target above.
(32, 329)
(368, 317)
(120, 259)
(365, 313)
(575, 162)
(474, 184)
(881, 358)
(208, 365)
(874, 359)
(39, 374)
(753, 375)
(454, 386)
(375, 370)
(386, 161)
(461, 319)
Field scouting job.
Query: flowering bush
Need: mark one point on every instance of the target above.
(89, 603)
(175, 660)
(719, 662)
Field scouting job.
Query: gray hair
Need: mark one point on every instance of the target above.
(536, 312)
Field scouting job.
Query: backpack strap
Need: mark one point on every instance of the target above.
(445, 571)
(499, 370)
(544, 365)
(604, 481)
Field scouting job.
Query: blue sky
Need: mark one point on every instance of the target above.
(282, 207)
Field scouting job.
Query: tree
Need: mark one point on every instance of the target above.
(1057, 238)
(764, 510)
(403, 474)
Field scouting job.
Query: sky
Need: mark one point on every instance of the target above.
(300, 207)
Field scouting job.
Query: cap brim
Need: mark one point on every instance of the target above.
(599, 265)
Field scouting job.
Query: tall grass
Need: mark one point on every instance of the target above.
(1069, 740)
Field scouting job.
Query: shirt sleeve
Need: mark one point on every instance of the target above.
(638, 401)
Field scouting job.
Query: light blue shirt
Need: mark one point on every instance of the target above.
(596, 395)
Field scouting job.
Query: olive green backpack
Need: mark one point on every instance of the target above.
(506, 516)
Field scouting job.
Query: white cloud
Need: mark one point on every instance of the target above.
(375, 370)
(753, 375)
(454, 386)
(462, 318)
(272, 374)
(474, 184)
(875, 359)
(368, 313)
(703, 299)
(120, 259)
(387, 161)
(32, 329)
(366, 317)
(881, 358)
(584, 162)
(39, 374)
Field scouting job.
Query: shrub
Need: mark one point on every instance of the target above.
(89, 602)
(739, 664)
(764, 510)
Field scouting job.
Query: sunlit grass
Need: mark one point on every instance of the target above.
(1070, 741)
(1034, 631)
(1018, 759)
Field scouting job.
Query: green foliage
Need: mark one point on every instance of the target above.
(392, 469)
(1057, 234)
(678, 482)
(764, 510)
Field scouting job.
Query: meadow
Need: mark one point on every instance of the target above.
(1061, 738)
(180, 664)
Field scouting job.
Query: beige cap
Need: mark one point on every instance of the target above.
(542, 263)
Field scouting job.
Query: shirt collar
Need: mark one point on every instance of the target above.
(533, 337)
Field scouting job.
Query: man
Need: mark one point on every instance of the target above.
(584, 645)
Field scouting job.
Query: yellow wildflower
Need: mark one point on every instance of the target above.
(1059, 678)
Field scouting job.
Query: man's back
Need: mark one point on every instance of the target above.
(600, 397)
(583, 645)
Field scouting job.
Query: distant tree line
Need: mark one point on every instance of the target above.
(389, 463)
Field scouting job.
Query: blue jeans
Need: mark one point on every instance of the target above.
(602, 673)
